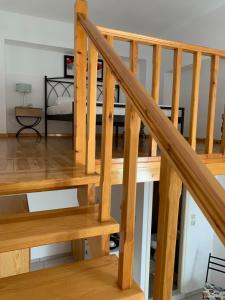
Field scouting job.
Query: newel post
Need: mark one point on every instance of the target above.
(80, 69)
(80, 127)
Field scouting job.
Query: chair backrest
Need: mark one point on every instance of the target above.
(216, 264)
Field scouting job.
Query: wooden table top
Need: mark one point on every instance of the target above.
(28, 111)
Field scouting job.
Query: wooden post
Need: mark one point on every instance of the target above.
(197, 62)
(212, 104)
(80, 73)
(132, 128)
(176, 86)
(170, 191)
(156, 62)
(106, 150)
(91, 109)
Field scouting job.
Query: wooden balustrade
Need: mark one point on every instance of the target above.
(178, 48)
(179, 162)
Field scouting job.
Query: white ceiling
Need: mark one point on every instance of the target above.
(143, 16)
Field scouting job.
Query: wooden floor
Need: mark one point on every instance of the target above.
(29, 160)
(51, 153)
(28, 165)
(30, 154)
(26, 154)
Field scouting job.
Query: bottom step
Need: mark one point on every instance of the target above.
(91, 279)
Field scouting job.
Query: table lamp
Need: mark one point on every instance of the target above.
(24, 88)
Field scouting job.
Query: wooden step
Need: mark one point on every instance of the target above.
(91, 279)
(41, 228)
(23, 182)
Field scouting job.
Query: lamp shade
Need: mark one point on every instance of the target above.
(23, 87)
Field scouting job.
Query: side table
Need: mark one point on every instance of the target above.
(22, 112)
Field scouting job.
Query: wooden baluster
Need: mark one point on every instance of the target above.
(176, 86)
(170, 191)
(91, 109)
(212, 104)
(156, 62)
(197, 62)
(80, 71)
(223, 134)
(106, 150)
(132, 128)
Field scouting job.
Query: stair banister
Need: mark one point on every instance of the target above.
(179, 162)
(205, 189)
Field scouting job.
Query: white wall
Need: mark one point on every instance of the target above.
(46, 201)
(198, 240)
(37, 42)
(143, 235)
(218, 250)
(34, 33)
(30, 63)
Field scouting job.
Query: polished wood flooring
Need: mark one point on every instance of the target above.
(53, 153)
(27, 164)
(26, 154)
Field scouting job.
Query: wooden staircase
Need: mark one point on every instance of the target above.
(92, 279)
(36, 229)
(106, 277)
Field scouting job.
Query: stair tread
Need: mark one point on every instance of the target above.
(35, 229)
(19, 182)
(90, 279)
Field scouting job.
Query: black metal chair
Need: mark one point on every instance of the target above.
(211, 291)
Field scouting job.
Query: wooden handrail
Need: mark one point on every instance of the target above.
(208, 193)
(147, 40)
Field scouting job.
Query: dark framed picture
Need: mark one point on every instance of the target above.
(69, 67)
